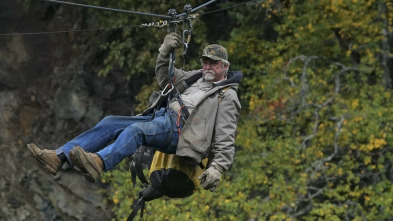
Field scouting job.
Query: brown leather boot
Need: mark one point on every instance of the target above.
(47, 158)
(90, 164)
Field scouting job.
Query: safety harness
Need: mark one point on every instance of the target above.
(143, 158)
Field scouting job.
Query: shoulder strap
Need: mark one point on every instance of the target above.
(222, 92)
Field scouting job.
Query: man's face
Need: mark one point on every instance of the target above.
(213, 70)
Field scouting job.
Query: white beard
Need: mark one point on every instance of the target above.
(208, 76)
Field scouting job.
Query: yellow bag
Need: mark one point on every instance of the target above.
(173, 176)
(169, 176)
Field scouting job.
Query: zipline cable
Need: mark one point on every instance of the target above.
(108, 9)
(155, 24)
(232, 6)
(69, 31)
(128, 11)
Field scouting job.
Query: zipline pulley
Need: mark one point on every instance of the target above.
(172, 22)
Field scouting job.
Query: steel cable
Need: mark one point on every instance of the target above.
(113, 28)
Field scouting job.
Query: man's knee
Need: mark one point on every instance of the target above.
(137, 128)
(107, 120)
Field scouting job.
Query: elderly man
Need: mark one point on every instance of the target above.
(201, 121)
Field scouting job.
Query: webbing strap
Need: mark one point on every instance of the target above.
(133, 173)
(142, 156)
(139, 168)
(183, 110)
(140, 205)
(222, 92)
(145, 195)
(174, 92)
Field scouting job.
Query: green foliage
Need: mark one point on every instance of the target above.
(316, 135)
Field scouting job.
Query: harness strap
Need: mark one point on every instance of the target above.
(133, 173)
(183, 110)
(179, 118)
(143, 155)
(140, 205)
(222, 92)
(145, 195)
(136, 167)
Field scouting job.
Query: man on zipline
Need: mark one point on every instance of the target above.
(200, 122)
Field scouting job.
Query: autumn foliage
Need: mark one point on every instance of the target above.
(316, 137)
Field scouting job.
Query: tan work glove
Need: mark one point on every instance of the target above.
(210, 178)
(171, 41)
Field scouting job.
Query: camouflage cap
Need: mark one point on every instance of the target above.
(215, 52)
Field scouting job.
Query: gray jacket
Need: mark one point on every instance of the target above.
(212, 124)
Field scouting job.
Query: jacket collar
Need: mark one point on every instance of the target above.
(232, 77)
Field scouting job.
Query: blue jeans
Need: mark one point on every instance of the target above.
(128, 133)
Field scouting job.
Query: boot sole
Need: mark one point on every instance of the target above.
(50, 169)
(79, 159)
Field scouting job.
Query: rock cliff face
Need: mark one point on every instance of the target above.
(49, 93)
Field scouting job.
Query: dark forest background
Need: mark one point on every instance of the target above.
(315, 138)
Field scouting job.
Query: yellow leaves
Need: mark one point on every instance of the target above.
(348, 53)
(340, 171)
(375, 143)
(280, 217)
(379, 143)
(265, 180)
(358, 119)
(316, 175)
(338, 2)
(310, 27)
(355, 103)
(367, 198)
(318, 154)
(321, 125)
(369, 3)
(278, 63)
(335, 5)
(387, 94)
(206, 208)
(248, 143)
(251, 103)
(367, 160)
(115, 197)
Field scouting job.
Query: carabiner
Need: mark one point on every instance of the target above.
(163, 93)
(185, 42)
